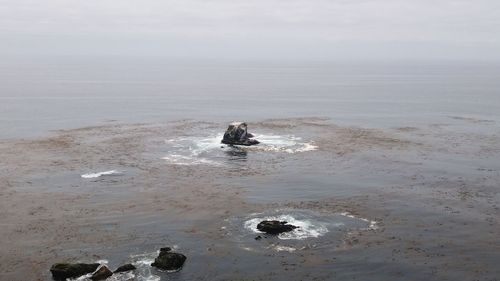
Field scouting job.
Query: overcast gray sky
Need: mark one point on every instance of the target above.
(279, 29)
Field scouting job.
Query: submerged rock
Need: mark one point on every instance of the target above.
(168, 260)
(275, 227)
(236, 134)
(101, 274)
(125, 267)
(61, 271)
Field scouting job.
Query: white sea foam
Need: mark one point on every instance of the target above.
(283, 143)
(306, 147)
(281, 248)
(100, 174)
(182, 160)
(143, 271)
(306, 228)
(143, 264)
(86, 277)
(126, 276)
(372, 224)
(207, 150)
(248, 249)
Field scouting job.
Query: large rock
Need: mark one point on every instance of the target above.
(101, 274)
(168, 260)
(126, 267)
(275, 227)
(61, 271)
(236, 134)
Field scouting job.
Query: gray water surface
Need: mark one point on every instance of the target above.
(37, 95)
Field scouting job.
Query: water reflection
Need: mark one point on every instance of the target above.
(236, 153)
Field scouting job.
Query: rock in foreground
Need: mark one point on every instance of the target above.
(126, 267)
(236, 134)
(168, 260)
(275, 227)
(62, 271)
(101, 274)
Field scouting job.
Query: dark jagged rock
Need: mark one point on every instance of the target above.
(168, 260)
(258, 237)
(101, 274)
(61, 271)
(236, 134)
(275, 227)
(126, 267)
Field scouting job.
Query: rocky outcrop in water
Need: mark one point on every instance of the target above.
(101, 274)
(275, 227)
(62, 271)
(125, 267)
(236, 134)
(168, 260)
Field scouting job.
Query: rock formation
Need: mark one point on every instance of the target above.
(236, 134)
(168, 260)
(62, 271)
(126, 267)
(101, 274)
(275, 227)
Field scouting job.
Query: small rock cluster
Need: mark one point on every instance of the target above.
(166, 260)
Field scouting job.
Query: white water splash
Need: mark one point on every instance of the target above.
(177, 159)
(372, 224)
(100, 174)
(126, 276)
(143, 264)
(306, 228)
(284, 143)
(86, 277)
(210, 151)
(281, 248)
(143, 271)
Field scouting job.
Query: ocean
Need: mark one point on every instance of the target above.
(39, 95)
(389, 170)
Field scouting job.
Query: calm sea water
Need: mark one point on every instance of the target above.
(414, 199)
(45, 94)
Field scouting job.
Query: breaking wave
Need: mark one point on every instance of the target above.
(143, 271)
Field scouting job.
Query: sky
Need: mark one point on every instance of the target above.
(254, 29)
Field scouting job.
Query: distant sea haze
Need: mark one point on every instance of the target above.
(42, 95)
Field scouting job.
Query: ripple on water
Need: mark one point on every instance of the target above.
(210, 151)
(315, 230)
(307, 227)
